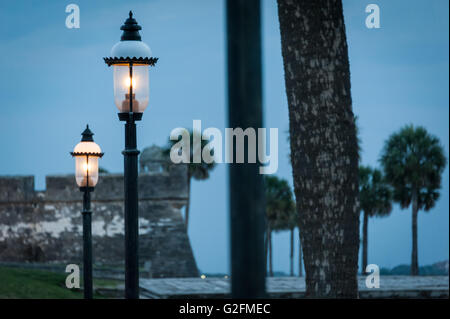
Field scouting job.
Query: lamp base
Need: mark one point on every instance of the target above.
(127, 116)
(86, 189)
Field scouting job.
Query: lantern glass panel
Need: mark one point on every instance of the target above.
(139, 83)
(86, 169)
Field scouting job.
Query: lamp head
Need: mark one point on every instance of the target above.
(86, 154)
(131, 58)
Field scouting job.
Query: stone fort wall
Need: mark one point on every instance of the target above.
(46, 226)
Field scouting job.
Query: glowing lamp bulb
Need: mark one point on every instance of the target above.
(130, 82)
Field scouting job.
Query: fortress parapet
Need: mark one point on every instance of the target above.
(45, 226)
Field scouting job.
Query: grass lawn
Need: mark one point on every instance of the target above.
(39, 284)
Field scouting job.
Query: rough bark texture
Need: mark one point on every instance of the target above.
(414, 255)
(323, 143)
(365, 246)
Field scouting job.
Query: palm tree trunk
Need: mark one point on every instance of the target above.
(364, 252)
(300, 257)
(266, 246)
(186, 212)
(414, 255)
(292, 254)
(270, 254)
(323, 142)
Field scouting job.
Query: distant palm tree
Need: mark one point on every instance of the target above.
(295, 223)
(288, 220)
(291, 224)
(198, 171)
(375, 198)
(300, 255)
(413, 162)
(279, 207)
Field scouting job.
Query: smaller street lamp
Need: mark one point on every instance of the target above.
(86, 154)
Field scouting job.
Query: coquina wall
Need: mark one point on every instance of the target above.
(46, 226)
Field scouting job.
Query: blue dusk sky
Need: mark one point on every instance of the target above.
(53, 81)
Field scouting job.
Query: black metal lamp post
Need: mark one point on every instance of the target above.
(247, 201)
(86, 155)
(130, 58)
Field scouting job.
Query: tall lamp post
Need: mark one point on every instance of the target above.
(131, 58)
(86, 154)
(247, 200)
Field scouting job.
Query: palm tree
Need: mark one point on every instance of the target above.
(103, 170)
(279, 207)
(375, 199)
(300, 255)
(198, 171)
(292, 223)
(413, 161)
(288, 220)
(324, 148)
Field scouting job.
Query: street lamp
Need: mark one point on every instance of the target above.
(130, 59)
(86, 155)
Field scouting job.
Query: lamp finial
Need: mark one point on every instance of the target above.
(87, 135)
(130, 29)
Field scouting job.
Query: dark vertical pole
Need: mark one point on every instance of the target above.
(87, 244)
(131, 88)
(246, 184)
(131, 206)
